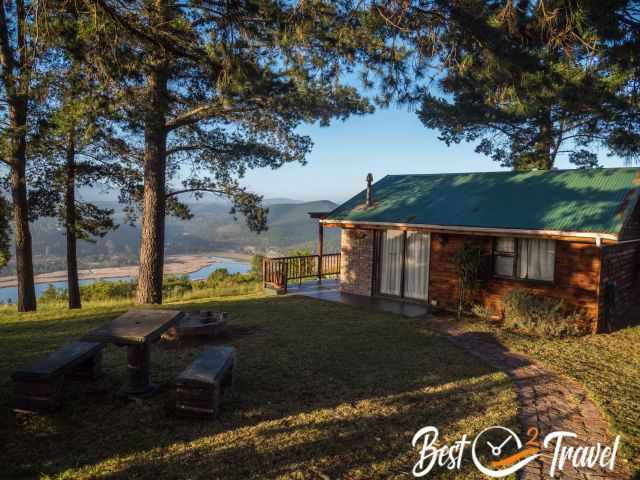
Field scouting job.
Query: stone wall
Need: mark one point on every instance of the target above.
(356, 262)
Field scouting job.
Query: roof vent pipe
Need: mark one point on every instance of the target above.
(369, 190)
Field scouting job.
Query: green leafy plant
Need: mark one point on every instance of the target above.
(220, 282)
(176, 286)
(468, 261)
(481, 312)
(53, 294)
(542, 316)
(256, 265)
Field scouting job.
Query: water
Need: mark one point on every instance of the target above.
(233, 266)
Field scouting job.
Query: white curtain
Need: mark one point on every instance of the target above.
(416, 266)
(391, 262)
(537, 259)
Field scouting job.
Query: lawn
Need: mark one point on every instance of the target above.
(608, 365)
(322, 391)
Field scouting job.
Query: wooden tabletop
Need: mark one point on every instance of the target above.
(135, 327)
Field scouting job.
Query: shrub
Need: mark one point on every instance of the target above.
(220, 282)
(256, 266)
(106, 290)
(176, 286)
(541, 316)
(481, 312)
(468, 260)
(53, 295)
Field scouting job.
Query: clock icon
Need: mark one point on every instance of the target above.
(507, 464)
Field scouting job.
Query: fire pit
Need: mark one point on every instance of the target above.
(202, 323)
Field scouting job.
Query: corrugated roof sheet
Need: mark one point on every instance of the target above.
(593, 201)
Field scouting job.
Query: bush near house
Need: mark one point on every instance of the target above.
(542, 316)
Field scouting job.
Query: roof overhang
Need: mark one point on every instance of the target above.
(319, 215)
(597, 238)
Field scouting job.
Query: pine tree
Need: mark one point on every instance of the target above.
(76, 143)
(215, 90)
(521, 96)
(20, 52)
(526, 80)
(618, 30)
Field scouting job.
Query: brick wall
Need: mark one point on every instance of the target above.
(631, 229)
(356, 267)
(577, 275)
(621, 267)
(581, 272)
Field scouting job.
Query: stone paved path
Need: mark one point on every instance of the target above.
(547, 400)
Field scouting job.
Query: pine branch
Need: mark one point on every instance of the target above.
(199, 113)
(193, 190)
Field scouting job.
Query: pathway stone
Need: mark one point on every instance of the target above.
(547, 401)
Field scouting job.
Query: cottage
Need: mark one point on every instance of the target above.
(567, 234)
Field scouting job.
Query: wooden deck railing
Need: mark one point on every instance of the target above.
(277, 272)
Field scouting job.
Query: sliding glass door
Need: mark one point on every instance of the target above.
(392, 245)
(404, 264)
(416, 265)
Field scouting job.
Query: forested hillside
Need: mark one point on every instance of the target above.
(212, 228)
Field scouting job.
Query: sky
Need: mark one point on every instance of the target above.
(389, 141)
(392, 141)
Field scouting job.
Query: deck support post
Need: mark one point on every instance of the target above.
(320, 249)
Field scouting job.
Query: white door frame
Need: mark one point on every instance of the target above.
(379, 259)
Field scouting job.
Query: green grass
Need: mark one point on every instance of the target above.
(608, 365)
(322, 391)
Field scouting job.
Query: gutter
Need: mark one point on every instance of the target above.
(597, 237)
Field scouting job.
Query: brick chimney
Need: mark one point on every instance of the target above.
(369, 190)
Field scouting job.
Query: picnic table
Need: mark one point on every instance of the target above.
(137, 330)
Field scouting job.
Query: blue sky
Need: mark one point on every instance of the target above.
(387, 142)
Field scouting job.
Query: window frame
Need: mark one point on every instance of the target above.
(516, 259)
(497, 253)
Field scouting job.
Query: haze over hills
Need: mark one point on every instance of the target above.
(211, 229)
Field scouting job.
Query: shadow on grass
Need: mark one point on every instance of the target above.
(320, 386)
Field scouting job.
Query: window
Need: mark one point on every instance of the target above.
(525, 259)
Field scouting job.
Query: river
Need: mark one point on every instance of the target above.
(10, 294)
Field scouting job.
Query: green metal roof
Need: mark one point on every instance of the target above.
(591, 201)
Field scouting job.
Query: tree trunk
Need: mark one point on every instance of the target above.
(70, 224)
(154, 196)
(22, 235)
(16, 94)
(545, 142)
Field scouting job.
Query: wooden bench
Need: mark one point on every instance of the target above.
(39, 386)
(199, 387)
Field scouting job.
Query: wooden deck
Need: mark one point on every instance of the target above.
(279, 272)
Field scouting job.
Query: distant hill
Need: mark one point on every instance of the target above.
(211, 229)
(276, 201)
(289, 228)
